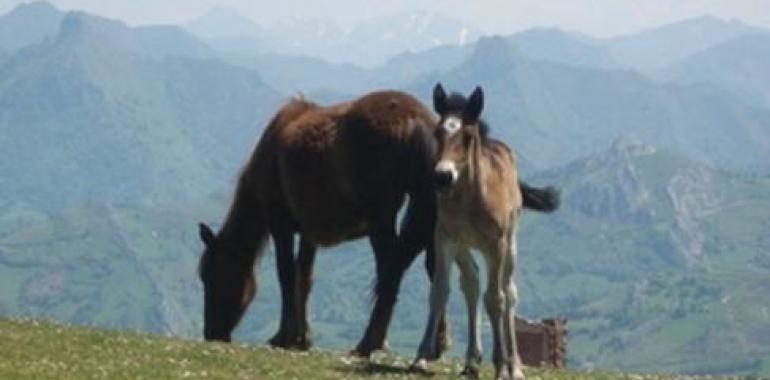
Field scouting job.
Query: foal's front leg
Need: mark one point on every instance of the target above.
(439, 296)
(469, 283)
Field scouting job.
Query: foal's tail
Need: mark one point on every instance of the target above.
(543, 200)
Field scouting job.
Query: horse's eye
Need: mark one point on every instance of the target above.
(452, 124)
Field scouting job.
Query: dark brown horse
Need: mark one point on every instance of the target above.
(329, 174)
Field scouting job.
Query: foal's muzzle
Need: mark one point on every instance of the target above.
(442, 180)
(445, 175)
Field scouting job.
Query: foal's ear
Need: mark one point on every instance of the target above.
(475, 104)
(207, 236)
(439, 99)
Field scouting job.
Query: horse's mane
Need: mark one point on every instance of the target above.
(456, 103)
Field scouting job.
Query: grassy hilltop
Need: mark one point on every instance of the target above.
(45, 350)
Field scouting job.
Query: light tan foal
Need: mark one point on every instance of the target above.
(478, 208)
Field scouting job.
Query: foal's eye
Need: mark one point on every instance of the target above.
(452, 124)
(467, 138)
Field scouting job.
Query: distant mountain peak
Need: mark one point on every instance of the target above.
(655, 48)
(708, 19)
(77, 25)
(35, 6)
(223, 22)
(632, 146)
(28, 24)
(495, 48)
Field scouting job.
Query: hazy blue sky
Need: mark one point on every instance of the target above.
(595, 17)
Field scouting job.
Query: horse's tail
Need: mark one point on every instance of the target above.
(544, 199)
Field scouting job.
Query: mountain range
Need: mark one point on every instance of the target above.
(96, 112)
(230, 32)
(117, 140)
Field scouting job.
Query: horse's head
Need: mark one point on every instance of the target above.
(228, 285)
(459, 134)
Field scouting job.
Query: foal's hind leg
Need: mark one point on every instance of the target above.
(284, 253)
(494, 301)
(511, 298)
(443, 336)
(305, 261)
(439, 296)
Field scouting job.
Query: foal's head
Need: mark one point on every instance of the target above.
(228, 286)
(460, 134)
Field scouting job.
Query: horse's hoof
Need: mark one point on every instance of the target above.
(419, 366)
(281, 340)
(518, 374)
(304, 343)
(470, 372)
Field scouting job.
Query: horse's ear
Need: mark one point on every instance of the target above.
(474, 106)
(207, 236)
(439, 99)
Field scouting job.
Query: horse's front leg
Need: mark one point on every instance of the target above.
(284, 255)
(305, 262)
(439, 296)
(382, 236)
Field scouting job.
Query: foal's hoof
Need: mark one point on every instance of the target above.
(420, 366)
(361, 352)
(503, 376)
(470, 372)
(443, 340)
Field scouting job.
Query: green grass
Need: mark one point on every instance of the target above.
(34, 349)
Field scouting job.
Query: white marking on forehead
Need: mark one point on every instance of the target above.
(448, 166)
(452, 124)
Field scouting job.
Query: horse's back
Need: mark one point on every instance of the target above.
(340, 165)
(377, 143)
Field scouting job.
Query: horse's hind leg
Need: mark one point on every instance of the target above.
(305, 261)
(284, 252)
